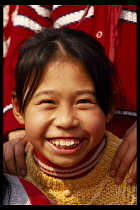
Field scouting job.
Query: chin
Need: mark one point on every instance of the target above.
(66, 164)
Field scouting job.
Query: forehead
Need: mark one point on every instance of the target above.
(65, 74)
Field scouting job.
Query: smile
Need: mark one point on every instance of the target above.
(65, 143)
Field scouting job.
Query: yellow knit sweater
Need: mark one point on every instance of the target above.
(95, 188)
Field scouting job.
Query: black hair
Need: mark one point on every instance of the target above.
(51, 44)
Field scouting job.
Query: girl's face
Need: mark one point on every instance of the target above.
(63, 119)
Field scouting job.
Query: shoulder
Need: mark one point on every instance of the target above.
(24, 193)
(17, 195)
(113, 143)
(113, 140)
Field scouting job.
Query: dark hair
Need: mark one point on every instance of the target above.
(51, 44)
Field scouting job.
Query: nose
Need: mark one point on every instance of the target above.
(66, 119)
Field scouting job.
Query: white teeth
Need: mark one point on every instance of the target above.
(57, 143)
(77, 142)
(72, 142)
(62, 143)
(65, 143)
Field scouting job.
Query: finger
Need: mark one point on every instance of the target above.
(20, 161)
(4, 167)
(5, 170)
(133, 176)
(125, 164)
(16, 134)
(20, 156)
(9, 160)
(27, 147)
(118, 158)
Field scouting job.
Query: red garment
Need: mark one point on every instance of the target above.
(118, 36)
(35, 195)
(76, 171)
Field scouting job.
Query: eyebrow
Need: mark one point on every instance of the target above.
(45, 92)
(81, 92)
(50, 92)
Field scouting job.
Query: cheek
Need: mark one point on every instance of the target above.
(35, 125)
(95, 124)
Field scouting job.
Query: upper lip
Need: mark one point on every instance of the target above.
(66, 137)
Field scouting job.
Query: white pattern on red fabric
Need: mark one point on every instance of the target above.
(75, 171)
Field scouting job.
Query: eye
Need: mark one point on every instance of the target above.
(84, 104)
(47, 102)
(83, 101)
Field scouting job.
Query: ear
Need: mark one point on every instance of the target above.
(16, 110)
(110, 114)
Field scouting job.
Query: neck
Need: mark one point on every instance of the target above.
(78, 170)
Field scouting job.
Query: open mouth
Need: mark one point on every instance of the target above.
(65, 143)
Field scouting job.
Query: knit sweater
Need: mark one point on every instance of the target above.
(95, 188)
(98, 22)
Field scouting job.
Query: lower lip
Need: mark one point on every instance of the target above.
(67, 151)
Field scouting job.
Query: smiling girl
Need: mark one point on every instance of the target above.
(64, 96)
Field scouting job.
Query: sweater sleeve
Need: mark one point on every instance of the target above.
(29, 19)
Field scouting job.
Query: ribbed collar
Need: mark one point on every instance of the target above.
(45, 182)
(80, 169)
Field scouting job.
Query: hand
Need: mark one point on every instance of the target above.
(125, 156)
(14, 153)
(16, 134)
